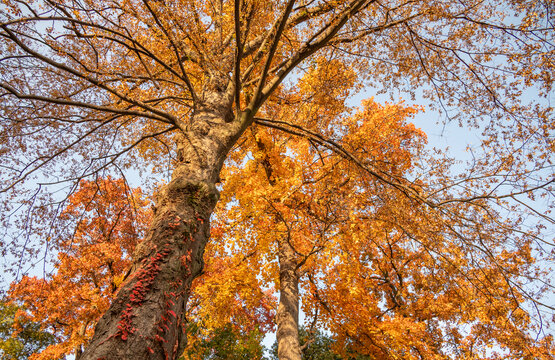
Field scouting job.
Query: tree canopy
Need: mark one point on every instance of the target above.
(97, 88)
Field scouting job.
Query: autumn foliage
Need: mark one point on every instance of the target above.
(398, 250)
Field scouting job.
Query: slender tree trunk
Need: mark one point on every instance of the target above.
(79, 348)
(287, 317)
(287, 335)
(145, 321)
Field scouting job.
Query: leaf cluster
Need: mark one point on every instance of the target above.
(20, 337)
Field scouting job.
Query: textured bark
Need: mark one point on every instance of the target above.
(145, 321)
(287, 335)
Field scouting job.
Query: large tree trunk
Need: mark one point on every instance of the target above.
(287, 335)
(145, 321)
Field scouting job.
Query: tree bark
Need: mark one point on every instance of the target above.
(287, 335)
(145, 321)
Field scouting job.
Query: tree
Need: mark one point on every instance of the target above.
(388, 278)
(316, 345)
(227, 344)
(20, 337)
(293, 199)
(109, 85)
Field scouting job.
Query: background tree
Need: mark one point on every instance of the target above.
(97, 86)
(226, 343)
(316, 345)
(19, 336)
